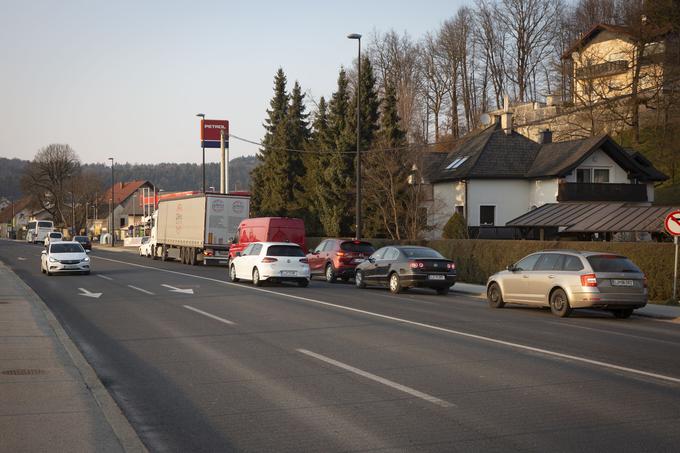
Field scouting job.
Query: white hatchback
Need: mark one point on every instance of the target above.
(270, 261)
(65, 256)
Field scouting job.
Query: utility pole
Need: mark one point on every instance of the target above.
(113, 234)
(358, 158)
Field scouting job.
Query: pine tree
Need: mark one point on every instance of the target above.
(298, 136)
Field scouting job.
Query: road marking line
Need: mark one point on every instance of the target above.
(141, 290)
(205, 313)
(87, 293)
(104, 277)
(373, 377)
(426, 326)
(178, 290)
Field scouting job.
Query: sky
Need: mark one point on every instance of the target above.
(125, 79)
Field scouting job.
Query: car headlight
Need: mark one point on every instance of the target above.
(86, 259)
(53, 260)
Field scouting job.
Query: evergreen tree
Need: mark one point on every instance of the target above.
(298, 136)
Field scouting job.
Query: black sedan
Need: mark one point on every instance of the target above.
(406, 266)
(84, 241)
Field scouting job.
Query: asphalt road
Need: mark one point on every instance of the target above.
(206, 365)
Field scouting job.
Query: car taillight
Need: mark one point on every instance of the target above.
(269, 259)
(416, 264)
(340, 253)
(588, 280)
(451, 266)
(304, 260)
(644, 281)
(208, 253)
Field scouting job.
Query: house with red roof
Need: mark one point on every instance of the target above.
(128, 207)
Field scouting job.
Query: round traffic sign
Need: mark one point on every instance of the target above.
(672, 223)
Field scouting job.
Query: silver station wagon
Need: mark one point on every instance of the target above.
(568, 279)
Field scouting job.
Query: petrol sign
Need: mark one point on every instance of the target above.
(210, 133)
(672, 223)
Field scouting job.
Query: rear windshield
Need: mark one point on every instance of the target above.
(284, 250)
(55, 235)
(67, 248)
(421, 252)
(361, 247)
(612, 263)
(80, 238)
(44, 224)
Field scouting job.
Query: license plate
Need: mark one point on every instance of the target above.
(288, 273)
(623, 283)
(436, 277)
(70, 267)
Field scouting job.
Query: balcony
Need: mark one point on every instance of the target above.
(602, 69)
(571, 191)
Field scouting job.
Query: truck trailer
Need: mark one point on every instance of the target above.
(197, 228)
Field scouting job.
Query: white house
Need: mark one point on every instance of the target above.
(497, 175)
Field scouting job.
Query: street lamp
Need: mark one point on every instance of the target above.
(113, 235)
(358, 165)
(202, 117)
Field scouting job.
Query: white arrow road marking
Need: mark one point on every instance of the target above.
(179, 290)
(205, 313)
(21, 258)
(104, 277)
(142, 290)
(373, 377)
(86, 293)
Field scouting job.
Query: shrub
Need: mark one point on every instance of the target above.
(455, 228)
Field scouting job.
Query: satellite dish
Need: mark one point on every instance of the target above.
(485, 119)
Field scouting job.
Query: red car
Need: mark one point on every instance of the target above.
(337, 258)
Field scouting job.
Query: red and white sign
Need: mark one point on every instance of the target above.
(672, 223)
(211, 131)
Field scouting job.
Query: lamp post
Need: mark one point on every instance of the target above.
(113, 235)
(202, 117)
(358, 165)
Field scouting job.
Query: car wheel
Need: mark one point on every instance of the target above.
(256, 278)
(443, 291)
(154, 253)
(623, 313)
(359, 280)
(164, 253)
(192, 256)
(86, 272)
(395, 283)
(559, 303)
(330, 274)
(232, 274)
(49, 274)
(494, 296)
(303, 283)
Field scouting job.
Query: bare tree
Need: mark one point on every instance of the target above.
(436, 83)
(491, 41)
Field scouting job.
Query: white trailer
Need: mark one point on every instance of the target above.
(197, 228)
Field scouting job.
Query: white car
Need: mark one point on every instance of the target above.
(270, 261)
(145, 248)
(53, 236)
(64, 256)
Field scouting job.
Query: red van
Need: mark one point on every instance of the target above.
(268, 229)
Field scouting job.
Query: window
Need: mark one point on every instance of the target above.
(122, 222)
(601, 175)
(285, 250)
(391, 254)
(319, 248)
(421, 252)
(256, 249)
(357, 247)
(460, 210)
(457, 163)
(571, 263)
(379, 253)
(487, 215)
(247, 250)
(612, 263)
(583, 175)
(548, 262)
(528, 263)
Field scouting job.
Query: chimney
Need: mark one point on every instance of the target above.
(545, 136)
(506, 116)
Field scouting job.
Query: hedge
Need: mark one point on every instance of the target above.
(476, 259)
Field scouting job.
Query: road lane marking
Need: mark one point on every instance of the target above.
(179, 290)
(546, 352)
(381, 380)
(209, 315)
(87, 293)
(21, 258)
(104, 277)
(141, 290)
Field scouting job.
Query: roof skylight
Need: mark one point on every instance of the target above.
(457, 163)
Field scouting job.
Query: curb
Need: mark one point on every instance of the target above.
(127, 436)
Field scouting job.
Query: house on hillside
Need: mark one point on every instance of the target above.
(128, 207)
(497, 175)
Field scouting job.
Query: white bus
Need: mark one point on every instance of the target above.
(38, 229)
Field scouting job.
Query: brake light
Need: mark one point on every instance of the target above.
(208, 253)
(341, 253)
(589, 280)
(269, 259)
(416, 264)
(304, 260)
(451, 266)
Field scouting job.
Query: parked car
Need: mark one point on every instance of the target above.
(407, 266)
(145, 248)
(84, 241)
(53, 236)
(267, 229)
(567, 279)
(338, 258)
(64, 256)
(270, 261)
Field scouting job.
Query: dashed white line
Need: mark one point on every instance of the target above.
(141, 290)
(209, 315)
(546, 352)
(381, 380)
(104, 277)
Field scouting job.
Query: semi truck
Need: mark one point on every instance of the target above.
(197, 228)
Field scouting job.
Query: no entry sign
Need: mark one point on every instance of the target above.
(672, 223)
(210, 133)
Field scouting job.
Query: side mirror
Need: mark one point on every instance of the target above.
(238, 253)
(88, 251)
(44, 252)
(371, 260)
(511, 267)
